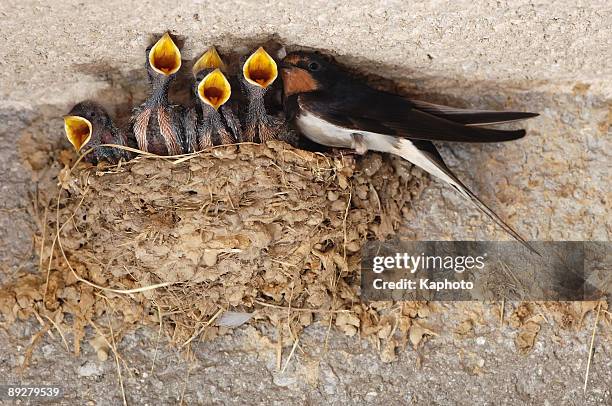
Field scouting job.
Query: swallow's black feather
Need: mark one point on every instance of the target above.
(358, 107)
(471, 117)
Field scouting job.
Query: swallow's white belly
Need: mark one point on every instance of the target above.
(322, 132)
(326, 133)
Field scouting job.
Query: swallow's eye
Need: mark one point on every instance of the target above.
(92, 114)
(314, 66)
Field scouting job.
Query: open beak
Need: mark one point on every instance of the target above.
(78, 131)
(214, 89)
(210, 60)
(164, 56)
(260, 69)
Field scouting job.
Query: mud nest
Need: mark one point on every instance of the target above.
(245, 228)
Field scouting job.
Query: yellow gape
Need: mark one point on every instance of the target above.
(165, 57)
(78, 131)
(210, 60)
(214, 89)
(260, 69)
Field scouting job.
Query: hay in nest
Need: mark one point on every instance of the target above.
(249, 228)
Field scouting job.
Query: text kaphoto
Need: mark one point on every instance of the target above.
(422, 284)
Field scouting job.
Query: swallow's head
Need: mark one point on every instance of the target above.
(82, 121)
(212, 87)
(260, 69)
(304, 72)
(164, 57)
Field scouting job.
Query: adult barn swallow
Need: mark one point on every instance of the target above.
(211, 121)
(331, 107)
(259, 71)
(156, 124)
(88, 124)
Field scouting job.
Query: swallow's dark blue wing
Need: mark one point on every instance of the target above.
(470, 116)
(362, 108)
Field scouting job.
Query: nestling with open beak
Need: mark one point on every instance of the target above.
(259, 71)
(331, 107)
(156, 124)
(211, 121)
(88, 125)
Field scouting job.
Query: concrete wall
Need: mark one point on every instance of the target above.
(551, 57)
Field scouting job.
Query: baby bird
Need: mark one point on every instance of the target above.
(211, 121)
(156, 124)
(259, 71)
(89, 124)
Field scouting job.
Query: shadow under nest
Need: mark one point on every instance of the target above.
(264, 229)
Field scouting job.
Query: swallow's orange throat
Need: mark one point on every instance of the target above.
(296, 80)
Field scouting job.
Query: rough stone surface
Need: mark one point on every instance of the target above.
(554, 58)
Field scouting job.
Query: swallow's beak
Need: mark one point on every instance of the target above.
(164, 56)
(210, 60)
(78, 131)
(285, 68)
(260, 69)
(214, 89)
(284, 65)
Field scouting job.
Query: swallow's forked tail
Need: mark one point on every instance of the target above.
(468, 194)
(472, 117)
(425, 155)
